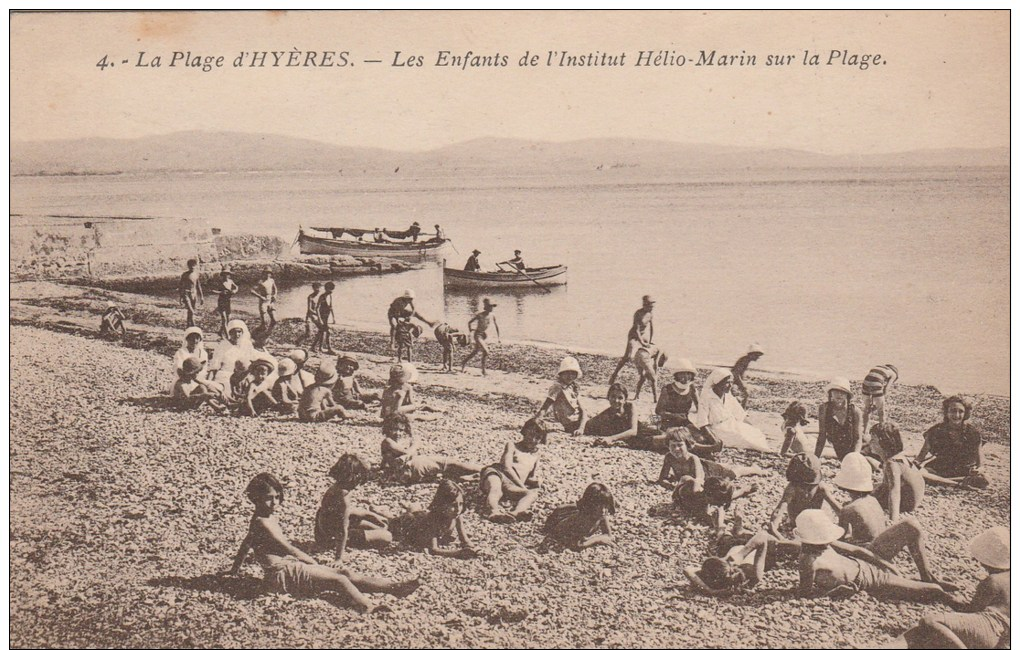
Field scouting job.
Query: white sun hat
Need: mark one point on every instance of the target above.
(684, 365)
(991, 548)
(840, 384)
(570, 364)
(409, 294)
(855, 473)
(755, 347)
(815, 527)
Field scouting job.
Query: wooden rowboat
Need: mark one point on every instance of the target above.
(544, 276)
(314, 244)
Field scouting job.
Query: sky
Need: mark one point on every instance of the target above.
(944, 81)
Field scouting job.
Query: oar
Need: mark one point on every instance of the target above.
(537, 283)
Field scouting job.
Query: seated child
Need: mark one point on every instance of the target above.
(706, 501)
(290, 570)
(434, 528)
(317, 403)
(191, 391)
(300, 358)
(347, 392)
(112, 322)
(401, 457)
(585, 523)
(618, 423)
(515, 477)
(902, 487)
(287, 389)
(679, 397)
(405, 334)
(337, 522)
(563, 401)
(398, 396)
(804, 491)
(865, 524)
(251, 392)
(795, 417)
(824, 572)
(680, 462)
(984, 621)
(447, 336)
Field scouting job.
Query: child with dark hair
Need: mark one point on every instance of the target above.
(434, 528)
(324, 309)
(618, 423)
(337, 522)
(347, 392)
(290, 570)
(754, 352)
(585, 523)
(804, 491)
(680, 462)
(515, 477)
(447, 336)
(954, 447)
(707, 500)
(405, 333)
(740, 569)
(401, 457)
(795, 417)
(311, 312)
(902, 487)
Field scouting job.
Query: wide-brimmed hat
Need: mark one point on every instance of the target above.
(476, 252)
(265, 363)
(648, 300)
(268, 269)
(298, 356)
(815, 527)
(991, 548)
(683, 365)
(840, 384)
(325, 375)
(854, 473)
(569, 364)
(192, 365)
(347, 359)
(409, 293)
(286, 368)
(754, 347)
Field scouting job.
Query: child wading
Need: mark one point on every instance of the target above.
(984, 621)
(311, 312)
(433, 529)
(337, 522)
(480, 333)
(585, 523)
(324, 308)
(563, 401)
(289, 570)
(515, 477)
(401, 456)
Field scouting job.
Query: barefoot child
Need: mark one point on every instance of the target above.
(405, 334)
(324, 307)
(740, 569)
(287, 389)
(480, 332)
(865, 524)
(191, 391)
(317, 403)
(347, 392)
(254, 391)
(515, 477)
(804, 491)
(189, 288)
(706, 501)
(585, 523)
(290, 570)
(224, 290)
(337, 522)
(875, 386)
(434, 528)
(447, 336)
(311, 312)
(754, 352)
(112, 322)
(401, 457)
(265, 291)
(618, 423)
(902, 488)
(563, 400)
(795, 417)
(984, 621)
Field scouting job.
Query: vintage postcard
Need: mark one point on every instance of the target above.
(504, 329)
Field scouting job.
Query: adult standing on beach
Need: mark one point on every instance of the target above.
(839, 420)
(224, 289)
(472, 264)
(190, 289)
(639, 336)
(403, 307)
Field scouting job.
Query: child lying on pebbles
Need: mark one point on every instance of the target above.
(402, 460)
(680, 462)
(433, 529)
(585, 523)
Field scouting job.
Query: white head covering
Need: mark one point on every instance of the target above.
(726, 416)
(183, 353)
(226, 355)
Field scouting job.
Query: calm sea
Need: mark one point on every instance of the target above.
(832, 271)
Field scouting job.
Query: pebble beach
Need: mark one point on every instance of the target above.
(124, 512)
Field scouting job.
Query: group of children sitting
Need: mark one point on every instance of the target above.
(847, 548)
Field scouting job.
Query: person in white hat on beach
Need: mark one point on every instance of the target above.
(825, 572)
(720, 411)
(678, 398)
(984, 621)
(865, 522)
(754, 352)
(839, 420)
(563, 400)
(639, 336)
(480, 332)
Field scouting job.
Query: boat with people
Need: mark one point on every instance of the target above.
(543, 276)
(358, 242)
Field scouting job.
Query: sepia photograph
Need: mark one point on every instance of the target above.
(574, 328)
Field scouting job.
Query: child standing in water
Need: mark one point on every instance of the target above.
(337, 521)
(324, 307)
(583, 524)
(433, 529)
(290, 570)
(515, 477)
(563, 400)
(481, 320)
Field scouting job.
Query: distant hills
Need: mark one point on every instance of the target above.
(227, 151)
